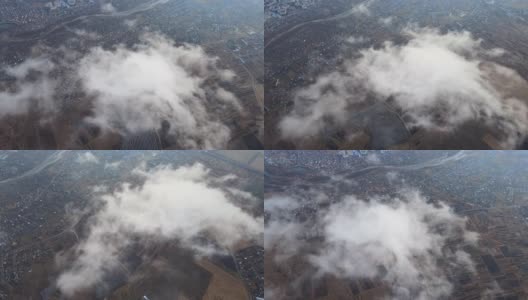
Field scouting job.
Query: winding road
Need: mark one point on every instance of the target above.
(49, 161)
(412, 167)
(339, 16)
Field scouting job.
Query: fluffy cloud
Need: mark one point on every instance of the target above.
(392, 176)
(130, 23)
(183, 204)
(112, 165)
(406, 241)
(386, 21)
(362, 8)
(108, 8)
(373, 158)
(86, 34)
(137, 89)
(33, 89)
(436, 81)
(87, 157)
(399, 241)
(282, 231)
(132, 89)
(356, 40)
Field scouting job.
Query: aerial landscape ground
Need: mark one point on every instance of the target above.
(251, 149)
(131, 225)
(396, 225)
(141, 74)
(396, 74)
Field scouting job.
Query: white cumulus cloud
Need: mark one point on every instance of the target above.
(182, 205)
(108, 8)
(87, 157)
(131, 90)
(33, 88)
(399, 240)
(405, 241)
(135, 89)
(437, 81)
